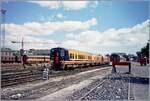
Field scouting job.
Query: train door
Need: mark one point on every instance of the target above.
(55, 57)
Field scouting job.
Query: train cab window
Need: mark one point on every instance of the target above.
(52, 52)
(62, 53)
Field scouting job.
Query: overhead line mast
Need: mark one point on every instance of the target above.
(29, 42)
(3, 12)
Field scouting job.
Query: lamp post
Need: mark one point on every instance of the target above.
(3, 12)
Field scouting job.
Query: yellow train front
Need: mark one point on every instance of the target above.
(62, 58)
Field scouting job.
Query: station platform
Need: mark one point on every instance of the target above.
(139, 80)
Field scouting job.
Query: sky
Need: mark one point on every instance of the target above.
(101, 27)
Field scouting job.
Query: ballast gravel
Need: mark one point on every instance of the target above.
(115, 87)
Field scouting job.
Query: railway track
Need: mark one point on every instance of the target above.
(51, 86)
(14, 79)
(23, 76)
(85, 95)
(24, 79)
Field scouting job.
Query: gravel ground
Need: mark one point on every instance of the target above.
(49, 86)
(114, 87)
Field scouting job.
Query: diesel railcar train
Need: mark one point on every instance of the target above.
(62, 58)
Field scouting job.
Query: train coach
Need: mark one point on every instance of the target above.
(10, 59)
(36, 59)
(62, 58)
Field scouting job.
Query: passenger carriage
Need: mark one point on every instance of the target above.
(62, 58)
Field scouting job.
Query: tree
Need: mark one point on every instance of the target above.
(145, 50)
(138, 53)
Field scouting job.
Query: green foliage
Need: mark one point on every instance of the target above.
(145, 50)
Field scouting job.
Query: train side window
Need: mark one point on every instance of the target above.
(76, 56)
(90, 57)
(72, 56)
(79, 56)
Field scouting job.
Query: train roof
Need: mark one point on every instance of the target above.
(76, 50)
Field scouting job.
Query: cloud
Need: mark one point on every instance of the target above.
(81, 37)
(67, 5)
(75, 5)
(112, 40)
(34, 30)
(60, 16)
(50, 4)
(48, 28)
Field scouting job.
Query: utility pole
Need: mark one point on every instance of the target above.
(22, 50)
(3, 12)
(27, 42)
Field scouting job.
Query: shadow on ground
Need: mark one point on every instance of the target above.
(129, 78)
